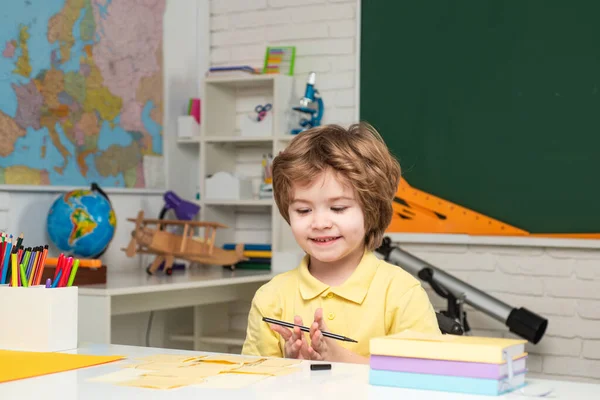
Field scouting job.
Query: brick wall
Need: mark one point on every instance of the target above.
(562, 285)
(323, 31)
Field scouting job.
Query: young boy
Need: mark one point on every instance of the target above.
(335, 188)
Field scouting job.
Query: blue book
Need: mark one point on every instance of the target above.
(244, 68)
(445, 383)
(248, 246)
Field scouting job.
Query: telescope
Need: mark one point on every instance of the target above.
(520, 321)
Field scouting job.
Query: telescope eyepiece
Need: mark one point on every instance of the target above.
(527, 324)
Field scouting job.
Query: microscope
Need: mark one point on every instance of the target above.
(307, 103)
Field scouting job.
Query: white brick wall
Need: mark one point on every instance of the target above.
(563, 285)
(323, 31)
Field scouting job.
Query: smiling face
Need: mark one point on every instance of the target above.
(326, 218)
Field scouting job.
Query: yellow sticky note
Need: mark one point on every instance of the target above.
(231, 359)
(24, 364)
(279, 362)
(260, 370)
(157, 366)
(161, 382)
(170, 358)
(134, 366)
(201, 370)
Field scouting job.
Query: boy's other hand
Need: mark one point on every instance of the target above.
(295, 343)
(321, 348)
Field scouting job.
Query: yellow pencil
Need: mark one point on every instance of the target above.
(14, 270)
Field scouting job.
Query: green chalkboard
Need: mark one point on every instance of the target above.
(491, 104)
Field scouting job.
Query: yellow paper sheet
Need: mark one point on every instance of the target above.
(157, 366)
(279, 362)
(260, 370)
(23, 364)
(170, 358)
(134, 366)
(202, 370)
(161, 382)
(231, 359)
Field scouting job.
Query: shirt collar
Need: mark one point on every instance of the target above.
(354, 289)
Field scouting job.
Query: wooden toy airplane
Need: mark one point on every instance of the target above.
(167, 245)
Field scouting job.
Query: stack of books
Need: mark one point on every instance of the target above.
(449, 363)
(258, 256)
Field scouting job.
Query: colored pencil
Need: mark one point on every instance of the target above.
(306, 329)
(73, 273)
(41, 265)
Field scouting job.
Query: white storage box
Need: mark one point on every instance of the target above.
(226, 186)
(187, 127)
(38, 318)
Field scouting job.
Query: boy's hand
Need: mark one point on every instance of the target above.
(321, 348)
(295, 343)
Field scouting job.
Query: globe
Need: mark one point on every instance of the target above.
(82, 223)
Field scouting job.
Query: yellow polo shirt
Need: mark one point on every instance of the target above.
(378, 299)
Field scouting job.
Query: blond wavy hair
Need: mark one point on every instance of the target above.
(357, 154)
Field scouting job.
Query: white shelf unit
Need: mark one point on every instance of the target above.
(222, 146)
(228, 100)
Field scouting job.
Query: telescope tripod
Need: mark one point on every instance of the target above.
(455, 309)
(452, 321)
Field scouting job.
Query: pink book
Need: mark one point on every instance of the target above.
(443, 367)
(195, 110)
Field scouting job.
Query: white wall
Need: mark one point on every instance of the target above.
(323, 31)
(23, 211)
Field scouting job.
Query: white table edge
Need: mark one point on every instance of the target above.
(191, 284)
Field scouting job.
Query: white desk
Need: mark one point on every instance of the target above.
(128, 292)
(343, 381)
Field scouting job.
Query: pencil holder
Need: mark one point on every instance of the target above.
(38, 318)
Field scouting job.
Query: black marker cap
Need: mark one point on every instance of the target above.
(319, 367)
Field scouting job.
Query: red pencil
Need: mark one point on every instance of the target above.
(59, 265)
(66, 272)
(2, 250)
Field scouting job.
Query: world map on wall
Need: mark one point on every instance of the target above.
(81, 91)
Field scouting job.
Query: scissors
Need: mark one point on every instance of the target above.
(262, 111)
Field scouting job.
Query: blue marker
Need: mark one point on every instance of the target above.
(57, 278)
(6, 258)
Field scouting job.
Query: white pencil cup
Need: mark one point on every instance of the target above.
(38, 318)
